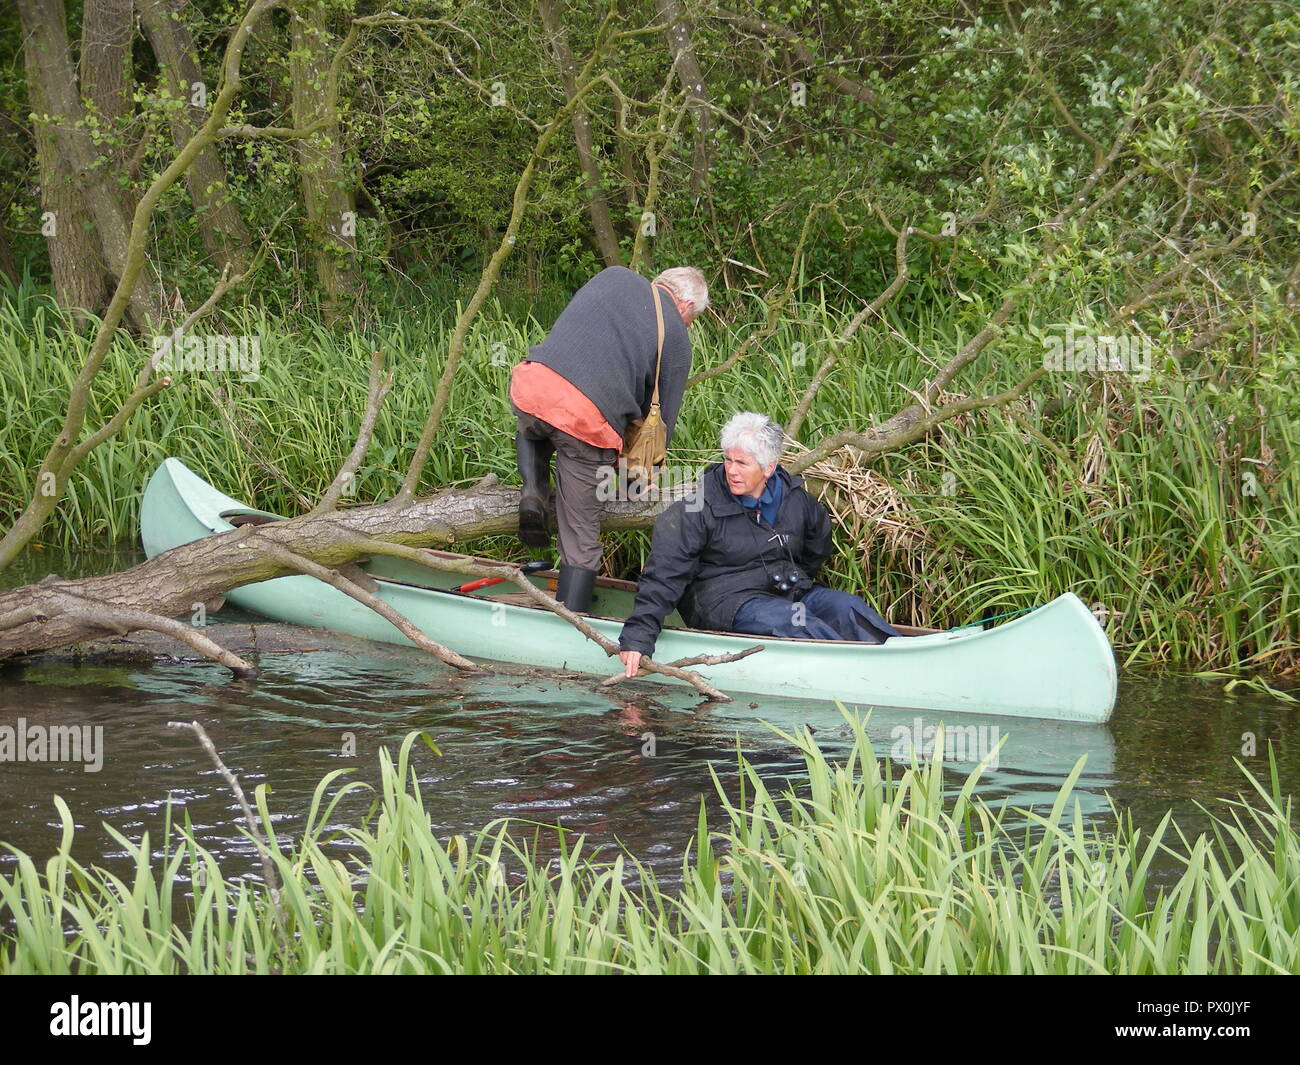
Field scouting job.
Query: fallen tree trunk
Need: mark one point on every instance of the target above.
(52, 613)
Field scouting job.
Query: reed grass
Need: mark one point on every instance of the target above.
(853, 871)
(1134, 495)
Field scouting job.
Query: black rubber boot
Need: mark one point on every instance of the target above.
(574, 588)
(535, 468)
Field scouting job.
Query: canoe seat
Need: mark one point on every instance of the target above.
(240, 520)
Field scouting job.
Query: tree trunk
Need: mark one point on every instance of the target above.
(107, 83)
(597, 205)
(88, 191)
(225, 236)
(327, 190)
(691, 76)
(171, 583)
(81, 282)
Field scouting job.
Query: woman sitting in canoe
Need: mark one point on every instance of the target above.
(742, 558)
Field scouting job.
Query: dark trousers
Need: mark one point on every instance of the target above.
(822, 614)
(578, 468)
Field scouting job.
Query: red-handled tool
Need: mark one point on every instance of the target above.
(528, 567)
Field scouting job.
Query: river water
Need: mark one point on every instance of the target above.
(625, 772)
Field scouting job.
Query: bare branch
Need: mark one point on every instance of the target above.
(517, 576)
(900, 431)
(13, 618)
(254, 830)
(348, 587)
(872, 309)
(375, 394)
(694, 660)
(277, 133)
(120, 620)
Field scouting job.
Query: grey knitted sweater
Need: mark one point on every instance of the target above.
(603, 343)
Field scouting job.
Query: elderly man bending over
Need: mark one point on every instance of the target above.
(744, 560)
(578, 390)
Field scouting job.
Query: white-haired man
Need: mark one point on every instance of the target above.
(576, 393)
(744, 561)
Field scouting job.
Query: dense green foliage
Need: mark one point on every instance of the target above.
(957, 118)
(853, 872)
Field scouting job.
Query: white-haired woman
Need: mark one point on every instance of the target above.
(743, 558)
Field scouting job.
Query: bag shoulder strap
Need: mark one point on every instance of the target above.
(659, 346)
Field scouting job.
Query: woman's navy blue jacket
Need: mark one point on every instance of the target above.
(708, 558)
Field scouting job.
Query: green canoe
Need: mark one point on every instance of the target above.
(1053, 662)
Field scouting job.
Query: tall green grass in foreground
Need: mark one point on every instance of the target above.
(856, 872)
(1168, 502)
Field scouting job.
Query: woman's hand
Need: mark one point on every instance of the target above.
(631, 662)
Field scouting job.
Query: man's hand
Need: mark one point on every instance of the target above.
(631, 662)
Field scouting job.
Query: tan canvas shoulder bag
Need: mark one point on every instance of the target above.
(645, 443)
